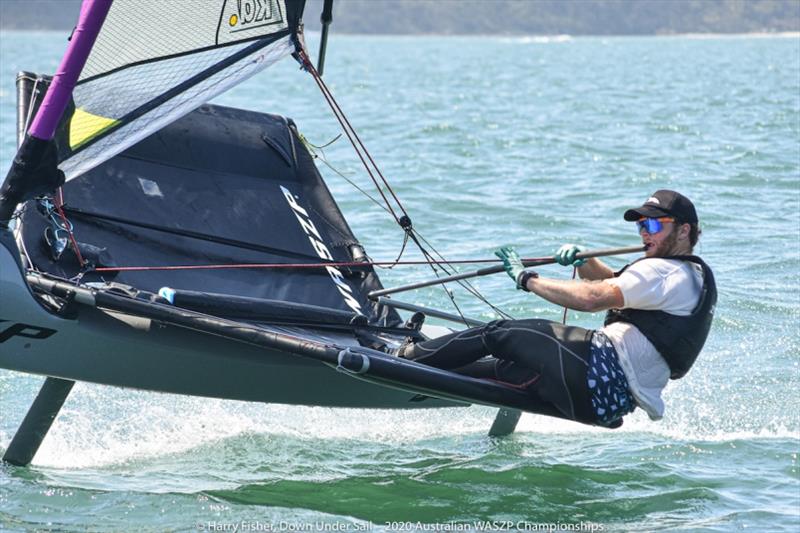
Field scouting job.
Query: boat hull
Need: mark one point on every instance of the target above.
(121, 350)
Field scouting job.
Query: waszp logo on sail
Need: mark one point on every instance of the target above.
(322, 251)
(23, 330)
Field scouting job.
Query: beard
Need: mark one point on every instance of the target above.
(668, 246)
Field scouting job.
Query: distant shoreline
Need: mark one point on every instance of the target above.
(554, 37)
(591, 18)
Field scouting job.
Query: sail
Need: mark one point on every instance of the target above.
(155, 61)
(217, 186)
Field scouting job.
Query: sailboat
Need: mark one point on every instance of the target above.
(250, 286)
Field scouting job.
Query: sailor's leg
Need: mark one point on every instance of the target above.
(557, 358)
(450, 351)
(37, 422)
(485, 368)
(464, 346)
(547, 359)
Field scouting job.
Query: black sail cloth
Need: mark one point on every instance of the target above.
(218, 186)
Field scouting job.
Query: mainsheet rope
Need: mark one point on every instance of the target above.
(354, 264)
(352, 136)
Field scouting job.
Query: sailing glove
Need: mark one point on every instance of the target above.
(512, 264)
(566, 255)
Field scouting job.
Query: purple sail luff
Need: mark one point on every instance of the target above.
(93, 13)
(34, 171)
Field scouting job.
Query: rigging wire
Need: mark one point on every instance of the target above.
(29, 114)
(19, 214)
(345, 127)
(58, 197)
(329, 143)
(404, 221)
(466, 284)
(402, 251)
(463, 283)
(345, 122)
(311, 149)
(21, 241)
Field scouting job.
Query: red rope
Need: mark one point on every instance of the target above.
(299, 265)
(58, 201)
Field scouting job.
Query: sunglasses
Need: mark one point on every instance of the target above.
(652, 225)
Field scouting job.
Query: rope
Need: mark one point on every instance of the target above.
(354, 264)
(564, 319)
(466, 285)
(348, 129)
(310, 147)
(58, 202)
(404, 221)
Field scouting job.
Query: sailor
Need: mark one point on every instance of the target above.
(659, 312)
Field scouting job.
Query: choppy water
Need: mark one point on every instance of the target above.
(488, 141)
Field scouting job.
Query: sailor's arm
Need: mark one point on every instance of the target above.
(594, 269)
(588, 296)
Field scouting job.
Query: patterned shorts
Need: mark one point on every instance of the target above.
(608, 385)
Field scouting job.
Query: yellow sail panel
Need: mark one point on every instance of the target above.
(85, 126)
(155, 61)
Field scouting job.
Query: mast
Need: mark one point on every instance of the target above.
(325, 19)
(34, 170)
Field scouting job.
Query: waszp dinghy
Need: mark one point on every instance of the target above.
(153, 177)
(252, 285)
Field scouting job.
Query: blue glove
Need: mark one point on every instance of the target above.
(566, 255)
(511, 262)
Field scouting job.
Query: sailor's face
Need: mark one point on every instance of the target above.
(661, 243)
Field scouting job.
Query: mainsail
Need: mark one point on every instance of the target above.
(217, 186)
(155, 61)
(155, 182)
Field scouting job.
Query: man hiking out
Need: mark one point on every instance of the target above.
(659, 312)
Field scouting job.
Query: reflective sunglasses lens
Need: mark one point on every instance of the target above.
(650, 225)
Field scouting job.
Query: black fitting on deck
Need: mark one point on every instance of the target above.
(33, 173)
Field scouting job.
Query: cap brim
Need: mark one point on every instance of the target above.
(644, 211)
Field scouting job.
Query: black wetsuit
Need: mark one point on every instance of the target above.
(551, 361)
(546, 358)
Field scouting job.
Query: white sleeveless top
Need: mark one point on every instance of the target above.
(654, 284)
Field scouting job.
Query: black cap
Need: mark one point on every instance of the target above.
(665, 203)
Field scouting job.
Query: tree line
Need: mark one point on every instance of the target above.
(508, 17)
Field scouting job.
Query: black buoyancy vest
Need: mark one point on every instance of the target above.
(678, 339)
